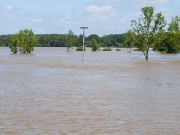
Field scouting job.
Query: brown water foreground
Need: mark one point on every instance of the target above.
(54, 92)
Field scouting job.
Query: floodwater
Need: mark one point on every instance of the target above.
(54, 92)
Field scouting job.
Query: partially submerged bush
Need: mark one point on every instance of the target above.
(107, 49)
(164, 52)
(80, 48)
(118, 49)
(94, 45)
(136, 49)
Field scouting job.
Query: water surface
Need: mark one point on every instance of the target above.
(52, 91)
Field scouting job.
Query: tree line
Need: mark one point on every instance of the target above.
(60, 40)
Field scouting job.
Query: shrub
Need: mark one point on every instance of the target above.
(164, 52)
(107, 49)
(136, 49)
(94, 45)
(118, 49)
(80, 48)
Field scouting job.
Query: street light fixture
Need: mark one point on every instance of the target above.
(83, 40)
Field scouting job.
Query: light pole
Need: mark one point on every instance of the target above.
(83, 40)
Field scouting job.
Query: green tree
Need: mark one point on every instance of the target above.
(174, 26)
(169, 42)
(148, 26)
(94, 45)
(130, 39)
(173, 37)
(14, 43)
(89, 39)
(24, 41)
(70, 40)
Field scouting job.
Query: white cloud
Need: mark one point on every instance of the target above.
(40, 29)
(6, 10)
(69, 19)
(97, 9)
(37, 20)
(153, 2)
(97, 13)
(157, 1)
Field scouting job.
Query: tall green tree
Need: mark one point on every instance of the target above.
(130, 39)
(148, 26)
(23, 41)
(70, 40)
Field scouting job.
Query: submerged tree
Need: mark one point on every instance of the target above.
(24, 41)
(130, 39)
(94, 45)
(147, 27)
(70, 40)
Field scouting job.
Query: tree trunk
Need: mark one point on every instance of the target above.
(146, 55)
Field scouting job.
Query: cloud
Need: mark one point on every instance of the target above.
(153, 2)
(97, 9)
(37, 20)
(40, 29)
(6, 10)
(68, 19)
(97, 13)
(156, 1)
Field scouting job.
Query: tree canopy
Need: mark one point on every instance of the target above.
(147, 26)
(70, 40)
(23, 41)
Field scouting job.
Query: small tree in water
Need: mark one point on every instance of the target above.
(70, 40)
(24, 41)
(94, 45)
(130, 39)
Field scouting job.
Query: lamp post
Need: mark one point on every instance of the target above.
(83, 40)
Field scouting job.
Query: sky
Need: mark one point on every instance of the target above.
(102, 17)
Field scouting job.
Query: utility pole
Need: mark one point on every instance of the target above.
(83, 40)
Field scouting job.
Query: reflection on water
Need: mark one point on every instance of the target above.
(53, 91)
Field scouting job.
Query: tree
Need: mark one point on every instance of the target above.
(94, 45)
(90, 37)
(148, 26)
(173, 37)
(174, 26)
(14, 43)
(169, 42)
(130, 39)
(24, 41)
(70, 40)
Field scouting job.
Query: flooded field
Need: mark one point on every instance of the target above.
(54, 92)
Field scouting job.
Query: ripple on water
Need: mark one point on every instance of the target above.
(59, 93)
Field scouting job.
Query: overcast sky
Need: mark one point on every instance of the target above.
(103, 17)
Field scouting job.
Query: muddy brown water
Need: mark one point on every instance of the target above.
(54, 92)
